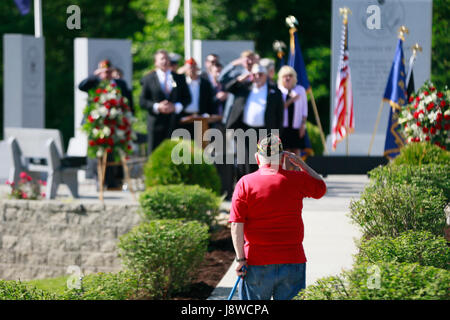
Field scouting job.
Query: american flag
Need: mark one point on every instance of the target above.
(344, 118)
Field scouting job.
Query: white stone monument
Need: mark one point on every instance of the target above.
(88, 52)
(373, 35)
(226, 50)
(23, 88)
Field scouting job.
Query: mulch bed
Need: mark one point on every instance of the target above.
(217, 261)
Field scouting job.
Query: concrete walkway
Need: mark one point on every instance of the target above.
(329, 235)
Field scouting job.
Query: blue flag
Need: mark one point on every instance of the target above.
(23, 6)
(395, 94)
(295, 61)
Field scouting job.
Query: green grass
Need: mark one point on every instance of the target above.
(54, 285)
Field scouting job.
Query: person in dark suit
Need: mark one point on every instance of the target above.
(164, 95)
(202, 95)
(258, 104)
(105, 72)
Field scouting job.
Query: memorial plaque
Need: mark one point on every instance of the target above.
(24, 81)
(373, 35)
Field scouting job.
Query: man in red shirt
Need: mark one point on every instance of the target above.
(267, 226)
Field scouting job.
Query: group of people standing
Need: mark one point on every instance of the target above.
(243, 92)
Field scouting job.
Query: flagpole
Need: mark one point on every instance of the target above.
(316, 114)
(187, 29)
(412, 60)
(376, 126)
(291, 22)
(37, 19)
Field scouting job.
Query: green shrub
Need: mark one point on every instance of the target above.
(420, 247)
(314, 137)
(180, 202)
(392, 209)
(17, 290)
(165, 253)
(383, 281)
(422, 153)
(107, 286)
(428, 176)
(161, 170)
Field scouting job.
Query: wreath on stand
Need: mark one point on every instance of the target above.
(108, 127)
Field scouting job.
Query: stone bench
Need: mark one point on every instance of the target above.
(41, 151)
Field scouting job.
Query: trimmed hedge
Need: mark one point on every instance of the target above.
(421, 153)
(411, 247)
(180, 202)
(383, 281)
(123, 285)
(160, 168)
(428, 176)
(17, 290)
(392, 209)
(164, 253)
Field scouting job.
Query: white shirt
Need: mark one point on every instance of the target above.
(166, 81)
(300, 107)
(255, 107)
(194, 88)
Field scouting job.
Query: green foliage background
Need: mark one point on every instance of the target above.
(144, 22)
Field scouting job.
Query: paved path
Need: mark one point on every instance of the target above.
(329, 234)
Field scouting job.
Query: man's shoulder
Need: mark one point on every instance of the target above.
(149, 75)
(273, 88)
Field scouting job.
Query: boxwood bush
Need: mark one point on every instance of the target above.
(17, 290)
(392, 209)
(412, 247)
(160, 168)
(397, 281)
(164, 253)
(422, 153)
(428, 176)
(180, 202)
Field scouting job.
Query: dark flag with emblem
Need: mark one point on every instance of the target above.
(396, 95)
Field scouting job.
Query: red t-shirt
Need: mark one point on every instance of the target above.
(270, 203)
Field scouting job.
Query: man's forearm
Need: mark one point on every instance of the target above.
(237, 234)
(297, 160)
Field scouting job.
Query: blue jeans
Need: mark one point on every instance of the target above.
(280, 281)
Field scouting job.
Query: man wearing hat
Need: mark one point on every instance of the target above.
(267, 226)
(104, 72)
(202, 94)
(258, 104)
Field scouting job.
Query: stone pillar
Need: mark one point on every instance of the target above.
(23, 88)
(23, 81)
